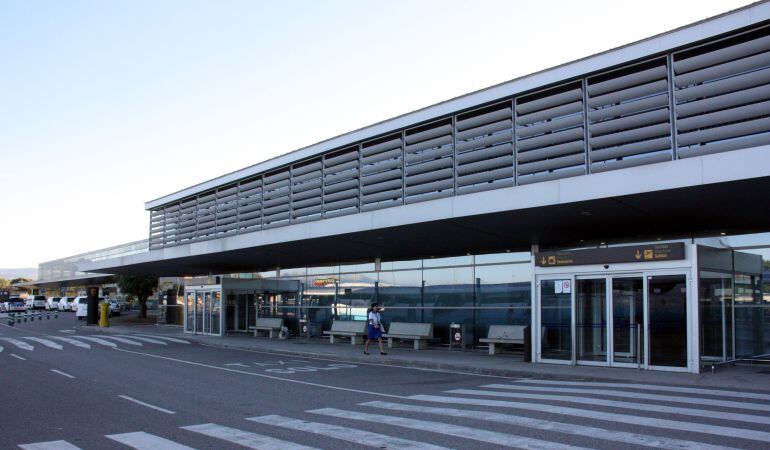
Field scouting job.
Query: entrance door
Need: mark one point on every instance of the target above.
(207, 312)
(627, 320)
(591, 320)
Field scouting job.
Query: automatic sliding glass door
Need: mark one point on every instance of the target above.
(667, 312)
(628, 320)
(555, 320)
(591, 320)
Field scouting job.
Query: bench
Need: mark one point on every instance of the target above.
(354, 329)
(507, 334)
(420, 333)
(267, 324)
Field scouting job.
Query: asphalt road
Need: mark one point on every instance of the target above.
(63, 385)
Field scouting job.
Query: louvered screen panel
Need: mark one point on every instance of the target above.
(485, 149)
(429, 162)
(171, 214)
(250, 205)
(550, 141)
(340, 182)
(723, 95)
(187, 219)
(157, 225)
(207, 215)
(227, 210)
(382, 173)
(629, 120)
(276, 199)
(306, 179)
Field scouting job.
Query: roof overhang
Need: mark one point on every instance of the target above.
(697, 196)
(81, 280)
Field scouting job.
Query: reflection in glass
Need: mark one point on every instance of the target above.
(401, 289)
(751, 318)
(501, 286)
(667, 299)
(216, 311)
(716, 315)
(556, 322)
(447, 289)
(627, 319)
(591, 319)
(198, 312)
(356, 294)
(190, 308)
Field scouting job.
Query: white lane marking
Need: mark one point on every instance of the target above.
(260, 375)
(1, 349)
(123, 340)
(98, 341)
(244, 438)
(448, 429)
(677, 425)
(66, 331)
(62, 373)
(144, 339)
(653, 387)
(51, 445)
(721, 415)
(74, 342)
(18, 357)
(362, 437)
(139, 402)
(635, 395)
(18, 343)
(146, 441)
(547, 425)
(46, 342)
(170, 339)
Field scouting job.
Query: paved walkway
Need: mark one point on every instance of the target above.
(743, 377)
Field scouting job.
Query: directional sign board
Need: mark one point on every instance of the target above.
(627, 254)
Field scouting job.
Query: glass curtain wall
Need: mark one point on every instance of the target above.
(477, 291)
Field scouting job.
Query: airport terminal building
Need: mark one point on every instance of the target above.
(617, 205)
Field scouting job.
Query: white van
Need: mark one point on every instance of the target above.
(81, 305)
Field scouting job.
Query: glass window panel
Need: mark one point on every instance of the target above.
(494, 258)
(297, 272)
(556, 321)
(400, 293)
(447, 289)
(356, 294)
(451, 261)
(216, 311)
(506, 288)
(318, 295)
(364, 267)
(715, 293)
(323, 270)
(667, 306)
(401, 265)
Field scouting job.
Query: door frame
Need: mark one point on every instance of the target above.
(205, 314)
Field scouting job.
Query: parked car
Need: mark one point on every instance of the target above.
(16, 304)
(36, 302)
(82, 307)
(67, 304)
(3, 308)
(52, 303)
(115, 307)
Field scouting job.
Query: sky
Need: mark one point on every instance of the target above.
(105, 105)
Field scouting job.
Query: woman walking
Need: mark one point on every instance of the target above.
(375, 328)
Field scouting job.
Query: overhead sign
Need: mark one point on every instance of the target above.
(612, 255)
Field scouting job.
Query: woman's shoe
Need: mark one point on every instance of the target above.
(383, 353)
(365, 352)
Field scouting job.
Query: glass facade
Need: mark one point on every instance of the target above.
(436, 290)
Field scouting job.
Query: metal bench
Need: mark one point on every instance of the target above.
(267, 324)
(354, 329)
(420, 333)
(507, 334)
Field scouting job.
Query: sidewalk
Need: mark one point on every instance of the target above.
(756, 378)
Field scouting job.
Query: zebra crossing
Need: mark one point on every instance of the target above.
(29, 343)
(534, 414)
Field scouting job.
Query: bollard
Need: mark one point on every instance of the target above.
(10, 320)
(56, 314)
(48, 316)
(105, 314)
(25, 318)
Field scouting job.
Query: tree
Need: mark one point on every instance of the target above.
(140, 286)
(4, 283)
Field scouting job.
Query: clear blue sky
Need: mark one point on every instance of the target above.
(107, 104)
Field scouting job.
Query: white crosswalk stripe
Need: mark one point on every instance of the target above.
(704, 413)
(492, 437)
(362, 437)
(74, 342)
(165, 338)
(653, 387)
(51, 445)
(1, 349)
(97, 340)
(47, 342)
(146, 441)
(635, 395)
(244, 438)
(677, 425)
(547, 425)
(20, 344)
(123, 340)
(144, 339)
(67, 331)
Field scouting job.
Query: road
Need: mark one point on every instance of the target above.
(67, 387)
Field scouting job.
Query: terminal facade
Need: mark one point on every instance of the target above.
(616, 204)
